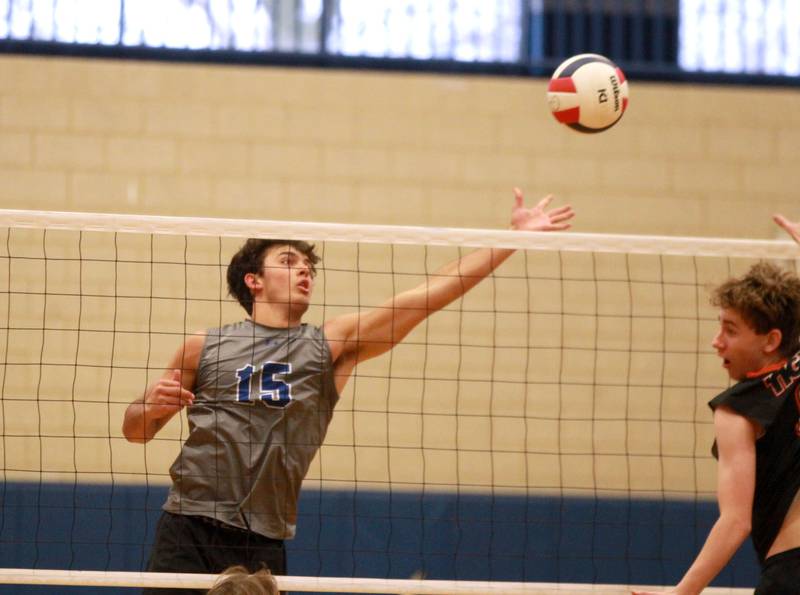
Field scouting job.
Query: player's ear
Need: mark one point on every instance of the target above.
(253, 281)
(773, 341)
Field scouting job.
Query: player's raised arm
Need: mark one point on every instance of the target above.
(145, 416)
(792, 228)
(369, 334)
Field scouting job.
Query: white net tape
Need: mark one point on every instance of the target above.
(318, 584)
(243, 228)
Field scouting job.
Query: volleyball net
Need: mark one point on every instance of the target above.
(547, 432)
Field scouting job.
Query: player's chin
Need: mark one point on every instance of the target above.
(301, 297)
(299, 304)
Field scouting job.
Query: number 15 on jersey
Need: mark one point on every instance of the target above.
(273, 392)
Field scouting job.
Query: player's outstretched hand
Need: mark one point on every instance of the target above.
(793, 229)
(538, 218)
(167, 396)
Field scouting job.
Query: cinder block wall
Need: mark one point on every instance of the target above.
(376, 147)
(373, 147)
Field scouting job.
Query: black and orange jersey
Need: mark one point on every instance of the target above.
(770, 398)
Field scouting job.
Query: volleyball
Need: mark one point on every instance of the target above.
(588, 93)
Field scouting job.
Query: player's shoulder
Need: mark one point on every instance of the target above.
(338, 333)
(193, 344)
(747, 388)
(760, 398)
(196, 338)
(341, 327)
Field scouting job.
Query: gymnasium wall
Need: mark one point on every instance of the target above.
(378, 147)
(369, 147)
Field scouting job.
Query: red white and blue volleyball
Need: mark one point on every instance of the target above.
(588, 93)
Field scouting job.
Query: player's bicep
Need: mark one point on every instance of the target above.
(375, 331)
(736, 443)
(186, 359)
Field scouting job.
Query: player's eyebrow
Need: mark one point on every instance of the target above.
(728, 322)
(295, 254)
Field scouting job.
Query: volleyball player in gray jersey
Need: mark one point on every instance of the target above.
(260, 395)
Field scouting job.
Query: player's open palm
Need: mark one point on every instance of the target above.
(538, 218)
(167, 396)
(792, 228)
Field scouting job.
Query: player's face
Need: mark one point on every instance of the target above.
(741, 348)
(287, 276)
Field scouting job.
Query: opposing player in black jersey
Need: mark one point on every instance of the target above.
(261, 394)
(757, 429)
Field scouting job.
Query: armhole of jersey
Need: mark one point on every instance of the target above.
(325, 346)
(202, 360)
(739, 406)
(331, 367)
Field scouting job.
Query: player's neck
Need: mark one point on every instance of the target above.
(275, 315)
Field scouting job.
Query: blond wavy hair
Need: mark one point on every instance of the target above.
(237, 580)
(767, 297)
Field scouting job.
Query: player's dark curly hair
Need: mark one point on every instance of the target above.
(767, 298)
(250, 259)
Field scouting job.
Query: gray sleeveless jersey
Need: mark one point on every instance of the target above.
(263, 400)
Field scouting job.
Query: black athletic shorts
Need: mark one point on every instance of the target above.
(781, 574)
(203, 545)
